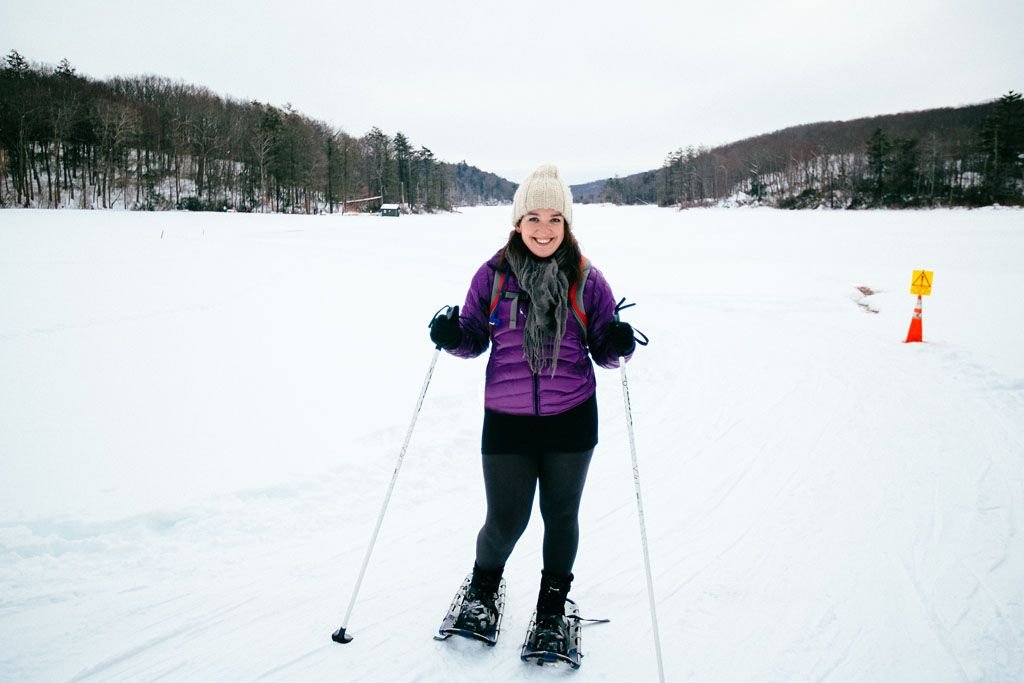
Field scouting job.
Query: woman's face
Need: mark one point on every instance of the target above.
(543, 231)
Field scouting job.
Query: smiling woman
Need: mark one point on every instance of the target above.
(542, 231)
(545, 312)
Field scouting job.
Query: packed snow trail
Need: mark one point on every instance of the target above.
(198, 431)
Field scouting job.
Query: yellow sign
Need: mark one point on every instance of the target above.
(921, 283)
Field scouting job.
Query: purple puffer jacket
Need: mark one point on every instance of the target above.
(512, 387)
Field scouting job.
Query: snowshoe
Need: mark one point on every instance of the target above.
(554, 638)
(475, 613)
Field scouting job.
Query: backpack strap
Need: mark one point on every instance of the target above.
(513, 311)
(497, 289)
(576, 296)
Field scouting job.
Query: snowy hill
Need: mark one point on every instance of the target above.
(201, 414)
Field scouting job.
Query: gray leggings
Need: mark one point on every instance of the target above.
(510, 481)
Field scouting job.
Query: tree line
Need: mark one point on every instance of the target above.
(153, 143)
(966, 156)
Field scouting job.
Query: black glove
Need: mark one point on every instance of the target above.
(445, 331)
(620, 338)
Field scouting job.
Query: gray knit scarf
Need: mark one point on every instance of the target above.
(547, 285)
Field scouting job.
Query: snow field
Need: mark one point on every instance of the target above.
(202, 413)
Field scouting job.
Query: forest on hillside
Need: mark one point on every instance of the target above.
(966, 156)
(152, 143)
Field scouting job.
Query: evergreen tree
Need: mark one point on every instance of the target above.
(1002, 144)
(403, 159)
(877, 152)
(65, 68)
(902, 168)
(16, 64)
(381, 164)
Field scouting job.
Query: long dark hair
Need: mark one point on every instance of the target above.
(569, 246)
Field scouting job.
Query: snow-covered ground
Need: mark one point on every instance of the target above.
(200, 414)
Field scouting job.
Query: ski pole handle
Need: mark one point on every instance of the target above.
(446, 313)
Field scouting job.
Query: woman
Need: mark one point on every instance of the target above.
(544, 312)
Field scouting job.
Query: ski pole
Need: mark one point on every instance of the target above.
(340, 636)
(640, 513)
(639, 499)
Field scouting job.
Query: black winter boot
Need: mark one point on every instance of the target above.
(479, 610)
(551, 632)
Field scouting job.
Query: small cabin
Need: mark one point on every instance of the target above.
(390, 210)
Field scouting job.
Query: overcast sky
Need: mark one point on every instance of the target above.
(599, 88)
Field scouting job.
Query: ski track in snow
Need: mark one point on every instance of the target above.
(202, 434)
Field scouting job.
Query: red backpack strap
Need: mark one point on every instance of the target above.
(576, 296)
(497, 288)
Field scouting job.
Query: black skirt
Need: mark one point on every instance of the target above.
(573, 431)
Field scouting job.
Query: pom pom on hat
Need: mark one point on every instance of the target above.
(542, 189)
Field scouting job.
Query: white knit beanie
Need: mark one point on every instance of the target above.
(542, 189)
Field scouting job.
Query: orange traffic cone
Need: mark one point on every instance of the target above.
(914, 333)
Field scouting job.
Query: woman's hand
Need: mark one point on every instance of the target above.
(620, 338)
(445, 331)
